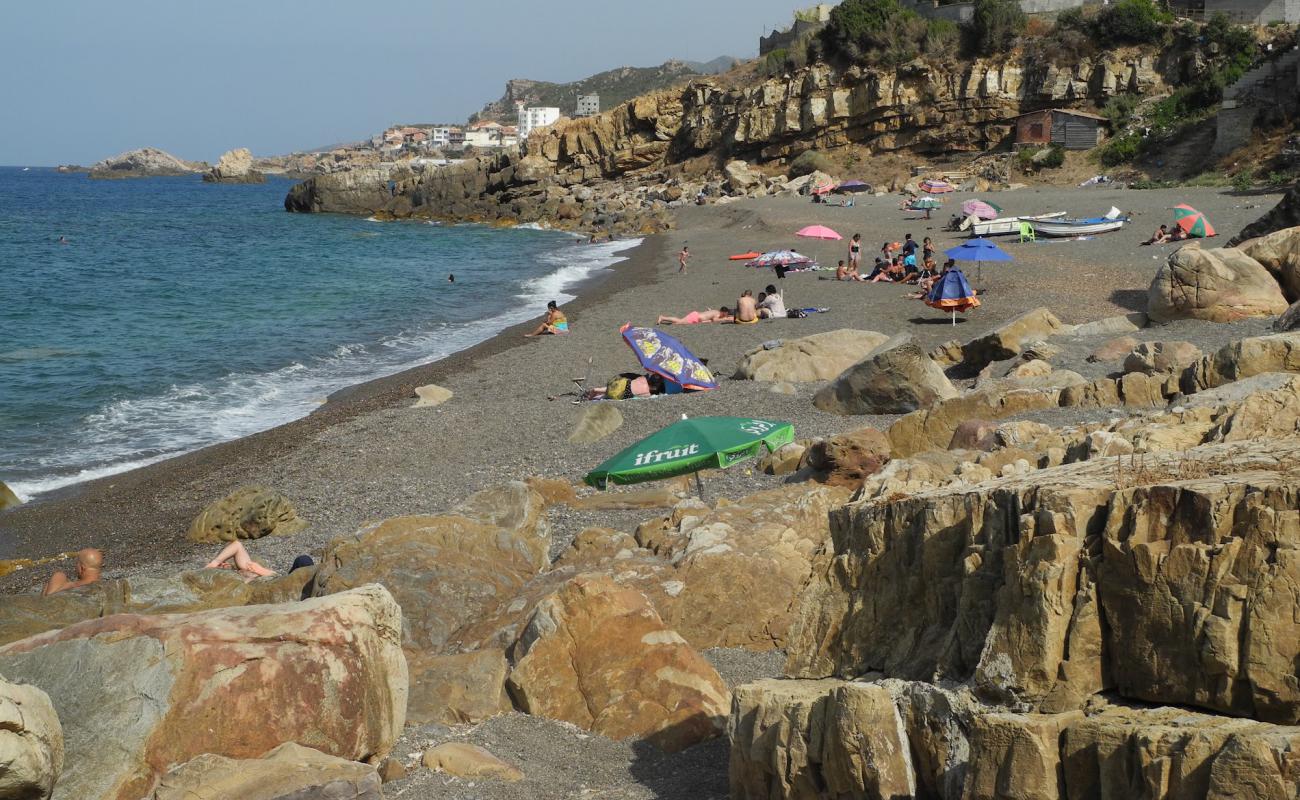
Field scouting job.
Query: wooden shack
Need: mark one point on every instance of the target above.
(1073, 130)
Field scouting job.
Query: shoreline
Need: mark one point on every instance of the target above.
(345, 404)
(365, 455)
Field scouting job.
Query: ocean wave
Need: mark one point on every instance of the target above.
(132, 433)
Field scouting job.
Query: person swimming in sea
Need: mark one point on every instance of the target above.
(555, 322)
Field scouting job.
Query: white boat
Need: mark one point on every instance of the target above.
(1005, 225)
(1067, 226)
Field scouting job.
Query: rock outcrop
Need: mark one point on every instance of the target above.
(235, 166)
(31, 743)
(1286, 214)
(895, 378)
(147, 162)
(819, 357)
(8, 499)
(1218, 285)
(250, 512)
(598, 655)
(1279, 253)
(288, 772)
(137, 694)
(357, 191)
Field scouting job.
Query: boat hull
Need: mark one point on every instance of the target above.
(1006, 226)
(1067, 228)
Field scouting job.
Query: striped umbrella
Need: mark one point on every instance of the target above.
(1192, 222)
(934, 186)
(922, 203)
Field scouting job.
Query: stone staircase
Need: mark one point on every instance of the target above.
(1273, 83)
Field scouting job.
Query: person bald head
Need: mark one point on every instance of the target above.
(89, 562)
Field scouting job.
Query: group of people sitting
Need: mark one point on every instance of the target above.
(234, 556)
(1163, 235)
(898, 262)
(748, 310)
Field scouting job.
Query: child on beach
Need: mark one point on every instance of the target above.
(682, 258)
(555, 323)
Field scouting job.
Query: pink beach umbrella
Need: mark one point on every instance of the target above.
(978, 209)
(819, 232)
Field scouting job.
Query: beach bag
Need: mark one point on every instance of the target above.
(620, 387)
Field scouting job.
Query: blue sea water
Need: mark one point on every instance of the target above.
(181, 314)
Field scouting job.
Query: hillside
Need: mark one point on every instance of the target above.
(614, 86)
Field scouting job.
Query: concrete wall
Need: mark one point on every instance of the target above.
(963, 12)
(1260, 12)
(781, 40)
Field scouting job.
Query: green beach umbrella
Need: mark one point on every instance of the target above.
(690, 446)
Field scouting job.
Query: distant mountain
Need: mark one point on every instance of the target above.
(614, 87)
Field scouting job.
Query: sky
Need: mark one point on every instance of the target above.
(87, 79)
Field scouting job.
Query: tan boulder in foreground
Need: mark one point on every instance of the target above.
(597, 655)
(1279, 253)
(1008, 340)
(1218, 285)
(288, 771)
(247, 513)
(31, 743)
(7, 497)
(137, 694)
(894, 378)
(819, 357)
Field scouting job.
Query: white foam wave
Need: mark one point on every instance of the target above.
(133, 433)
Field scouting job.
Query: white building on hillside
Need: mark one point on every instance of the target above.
(588, 105)
(535, 117)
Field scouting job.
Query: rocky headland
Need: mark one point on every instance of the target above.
(147, 162)
(235, 166)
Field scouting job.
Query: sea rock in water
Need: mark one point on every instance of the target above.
(31, 743)
(895, 378)
(250, 512)
(432, 396)
(8, 499)
(466, 760)
(597, 655)
(597, 421)
(1153, 358)
(819, 357)
(147, 162)
(235, 166)
(358, 191)
(1279, 253)
(288, 771)
(233, 682)
(1219, 285)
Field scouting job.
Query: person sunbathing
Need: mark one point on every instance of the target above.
(89, 563)
(849, 273)
(1160, 236)
(697, 317)
(234, 556)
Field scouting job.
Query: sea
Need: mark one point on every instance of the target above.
(145, 318)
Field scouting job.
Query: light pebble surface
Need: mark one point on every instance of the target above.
(367, 456)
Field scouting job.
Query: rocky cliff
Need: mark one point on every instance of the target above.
(235, 166)
(147, 162)
(920, 107)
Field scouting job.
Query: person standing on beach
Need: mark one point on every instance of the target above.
(682, 258)
(855, 252)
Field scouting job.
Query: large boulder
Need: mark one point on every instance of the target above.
(31, 743)
(288, 772)
(354, 191)
(741, 177)
(1218, 285)
(1290, 319)
(850, 458)
(8, 499)
(1279, 253)
(597, 655)
(247, 513)
(1286, 214)
(235, 166)
(1245, 358)
(1008, 340)
(819, 357)
(895, 378)
(457, 689)
(137, 694)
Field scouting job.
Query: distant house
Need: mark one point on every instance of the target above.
(1073, 130)
(588, 106)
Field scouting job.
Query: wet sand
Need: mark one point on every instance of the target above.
(366, 454)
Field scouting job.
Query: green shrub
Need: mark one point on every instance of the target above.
(942, 37)
(1033, 159)
(995, 26)
(1242, 181)
(1055, 157)
(1131, 22)
(1277, 180)
(810, 161)
(877, 32)
(1119, 110)
(1120, 150)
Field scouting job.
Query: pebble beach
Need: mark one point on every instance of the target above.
(367, 455)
